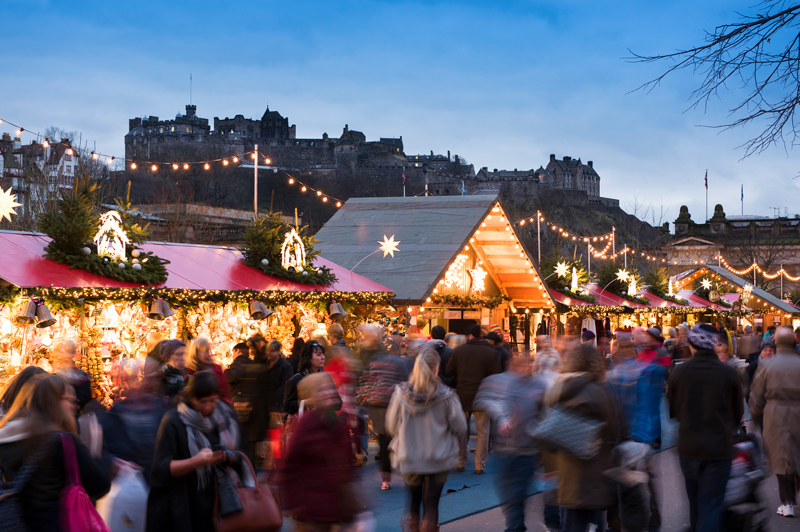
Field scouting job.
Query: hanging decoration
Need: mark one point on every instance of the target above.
(388, 246)
(273, 246)
(470, 301)
(706, 283)
(622, 275)
(574, 285)
(478, 275)
(8, 202)
(561, 269)
(454, 276)
(747, 293)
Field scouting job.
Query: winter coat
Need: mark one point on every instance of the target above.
(470, 364)
(41, 496)
(516, 399)
(318, 466)
(426, 431)
(444, 357)
(582, 484)
(235, 373)
(705, 396)
(177, 504)
(130, 429)
(639, 386)
(775, 406)
(276, 377)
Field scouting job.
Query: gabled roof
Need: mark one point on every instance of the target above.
(693, 240)
(759, 300)
(191, 267)
(432, 232)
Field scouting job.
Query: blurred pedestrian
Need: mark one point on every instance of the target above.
(753, 361)
(200, 433)
(513, 400)
(64, 365)
(31, 444)
(470, 364)
(456, 340)
(496, 341)
(437, 342)
(279, 371)
(173, 355)
(294, 358)
(236, 371)
(199, 358)
(14, 386)
(775, 407)
(316, 479)
(427, 424)
(705, 395)
(131, 426)
(312, 360)
(583, 489)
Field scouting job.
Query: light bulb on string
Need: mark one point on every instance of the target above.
(267, 161)
(303, 189)
(291, 181)
(19, 132)
(69, 151)
(253, 155)
(185, 166)
(45, 144)
(225, 162)
(319, 193)
(338, 203)
(174, 166)
(325, 199)
(133, 166)
(154, 167)
(206, 166)
(235, 160)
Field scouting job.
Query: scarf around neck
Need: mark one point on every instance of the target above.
(198, 427)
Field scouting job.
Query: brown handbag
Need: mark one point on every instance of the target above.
(260, 511)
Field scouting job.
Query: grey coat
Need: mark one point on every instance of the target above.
(775, 406)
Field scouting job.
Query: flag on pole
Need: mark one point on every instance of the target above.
(463, 192)
(706, 179)
(404, 176)
(743, 192)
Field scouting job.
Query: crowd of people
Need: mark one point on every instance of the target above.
(305, 422)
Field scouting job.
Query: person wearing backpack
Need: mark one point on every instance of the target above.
(32, 453)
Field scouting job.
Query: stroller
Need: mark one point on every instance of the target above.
(743, 506)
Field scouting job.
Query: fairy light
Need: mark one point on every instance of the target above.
(291, 181)
(185, 166)
(235, 160)
(303, 189)
(225, 162)
(133, 166)
(206, 166)
(174, 166)
(154, 167)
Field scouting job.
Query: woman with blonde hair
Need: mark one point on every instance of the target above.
(427, 423)
(199, 358)
(31, 447)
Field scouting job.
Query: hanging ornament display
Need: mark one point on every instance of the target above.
(706, 283)
(454, 276)
(389, 245)
(561, 269)
(747, 293)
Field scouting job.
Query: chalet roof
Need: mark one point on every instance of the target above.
(432, 232)
(760, 300)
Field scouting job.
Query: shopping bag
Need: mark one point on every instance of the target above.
(124, 508)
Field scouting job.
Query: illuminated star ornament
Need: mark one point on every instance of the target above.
(622, 275)
(706, 284)
(478, 279)
(561, 269)
(7, 203)
(388, 246)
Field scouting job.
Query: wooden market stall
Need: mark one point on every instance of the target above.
(208, 292)
(458, 261)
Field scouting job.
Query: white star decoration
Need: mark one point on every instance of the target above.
(622, 275)
(478, 279)
(706, 284)
(388, 246)
(561, 269)
(7, 203)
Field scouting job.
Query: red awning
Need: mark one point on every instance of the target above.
(606, 298)
(567, 300)
(191, 267)
(656, 301)
(697, 301)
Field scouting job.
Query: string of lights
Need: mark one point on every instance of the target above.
(156, 166)
(563, 232)
(759, 269)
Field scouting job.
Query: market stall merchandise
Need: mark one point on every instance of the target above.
(208, 292)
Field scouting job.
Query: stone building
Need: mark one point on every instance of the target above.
(739, 241)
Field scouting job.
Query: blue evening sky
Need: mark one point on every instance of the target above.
(503, 84)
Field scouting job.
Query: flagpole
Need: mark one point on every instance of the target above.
(742, 199)
(706, 194)
(538, 236)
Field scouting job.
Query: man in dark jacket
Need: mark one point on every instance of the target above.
(470, 364)
(495, 340)
(437, 342)
(705, 395)
(278, 372)
(236, 371)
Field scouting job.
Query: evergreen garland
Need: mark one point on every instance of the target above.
(263, 241)
(469, 301)
(71, 228)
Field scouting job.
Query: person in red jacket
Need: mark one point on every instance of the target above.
(318, 471)
(200, 359)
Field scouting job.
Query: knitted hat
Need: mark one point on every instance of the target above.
(494, 337)
(587, 335)
(656, 334)
(703, 336)
(495, 328)
(768, 341)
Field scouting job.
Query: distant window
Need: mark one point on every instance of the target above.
(68, 157)
(188, 129)
(161, 129)
(172, 129)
